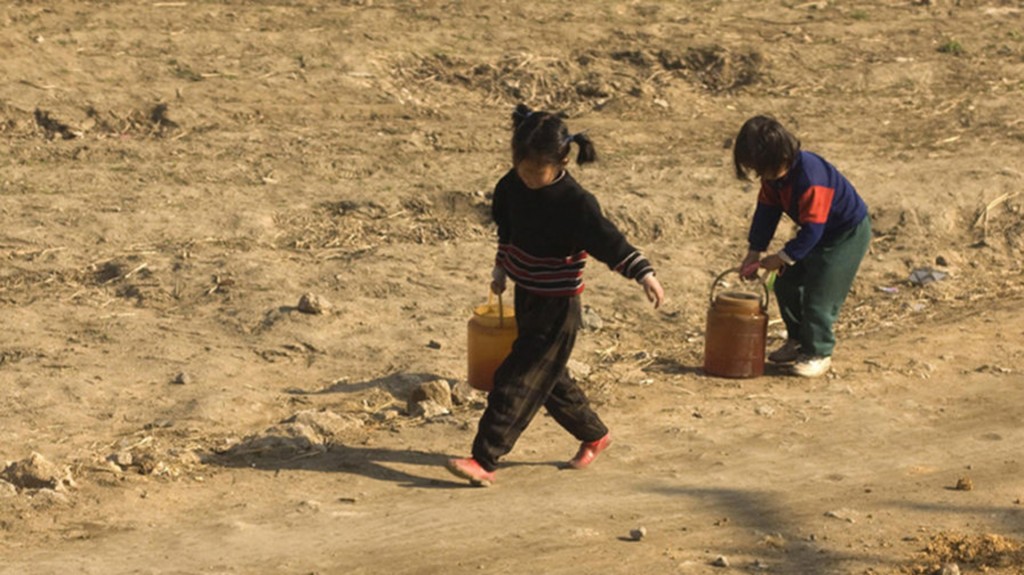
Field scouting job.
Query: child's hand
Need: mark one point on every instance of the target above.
(653, 289)
(498, 280)
(772, 262)
(750, 265)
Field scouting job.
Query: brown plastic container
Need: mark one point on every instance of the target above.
(737, 327)
(491, 331)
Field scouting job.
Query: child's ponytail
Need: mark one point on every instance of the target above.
(521, 113)
(544, 136)
(587, 153)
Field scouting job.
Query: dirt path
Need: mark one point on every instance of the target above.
(176, 176)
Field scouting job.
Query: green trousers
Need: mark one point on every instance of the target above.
(812, 291)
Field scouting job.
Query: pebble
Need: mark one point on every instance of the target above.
(720, 561)
(313, 304)
(7, 489)
(638, 533)
(578, 370)
(122, 459)
(591, 320)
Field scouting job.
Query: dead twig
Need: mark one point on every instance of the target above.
(128, 274)
(983, 216)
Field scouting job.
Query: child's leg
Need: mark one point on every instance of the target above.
(789, 291)
(522, 384)
(834, 269)
(568, 405)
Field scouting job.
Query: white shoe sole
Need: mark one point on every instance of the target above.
(819, 370)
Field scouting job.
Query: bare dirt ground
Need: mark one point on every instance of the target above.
(175, 176)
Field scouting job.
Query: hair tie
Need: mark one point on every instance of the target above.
(523, 116)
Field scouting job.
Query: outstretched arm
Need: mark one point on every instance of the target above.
(652, 287)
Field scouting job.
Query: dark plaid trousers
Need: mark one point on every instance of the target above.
(535, 375)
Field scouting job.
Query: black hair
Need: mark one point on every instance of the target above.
(544, 136)
(763, 146)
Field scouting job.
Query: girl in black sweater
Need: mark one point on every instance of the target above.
(548, 226)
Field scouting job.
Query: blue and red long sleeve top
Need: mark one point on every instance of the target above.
(819, 199)
(546, 235)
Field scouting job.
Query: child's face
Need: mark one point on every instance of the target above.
(772, 175)
(538, 173)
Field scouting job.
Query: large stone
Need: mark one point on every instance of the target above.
(36, 472)
(327, 423)
(437, 391)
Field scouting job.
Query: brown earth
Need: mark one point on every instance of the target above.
(176, 175)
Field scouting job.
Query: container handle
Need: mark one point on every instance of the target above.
(763, 300)
(501, 312)
(501, 307)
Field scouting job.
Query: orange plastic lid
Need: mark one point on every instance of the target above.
(487, 314)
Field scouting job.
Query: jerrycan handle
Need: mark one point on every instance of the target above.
(736, 270)
(501, 307)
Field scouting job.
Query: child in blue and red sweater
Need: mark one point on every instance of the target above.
(548, 227)
(821, 261)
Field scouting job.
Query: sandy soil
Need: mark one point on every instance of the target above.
(175, 176)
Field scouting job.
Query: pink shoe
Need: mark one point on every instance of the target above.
(589, 451)
(468, 468)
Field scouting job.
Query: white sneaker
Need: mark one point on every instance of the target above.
(787, 353)
(812, 365)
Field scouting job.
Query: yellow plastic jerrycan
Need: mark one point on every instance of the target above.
(737, 326)
(491, 331)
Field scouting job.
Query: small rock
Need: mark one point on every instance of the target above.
(437, 391)
(591, 320)
(465, 394)
(49, 498)
(434, 344)
(720, 561)
(578, 370)
(843, 514)
(182, 379)
(428, 409)
(7, 489)
(313, 304)
(941, 261)
(386, 415)
(122, 459)
(964, 484)
(638, 533)
(949, 569)
(764, 411)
